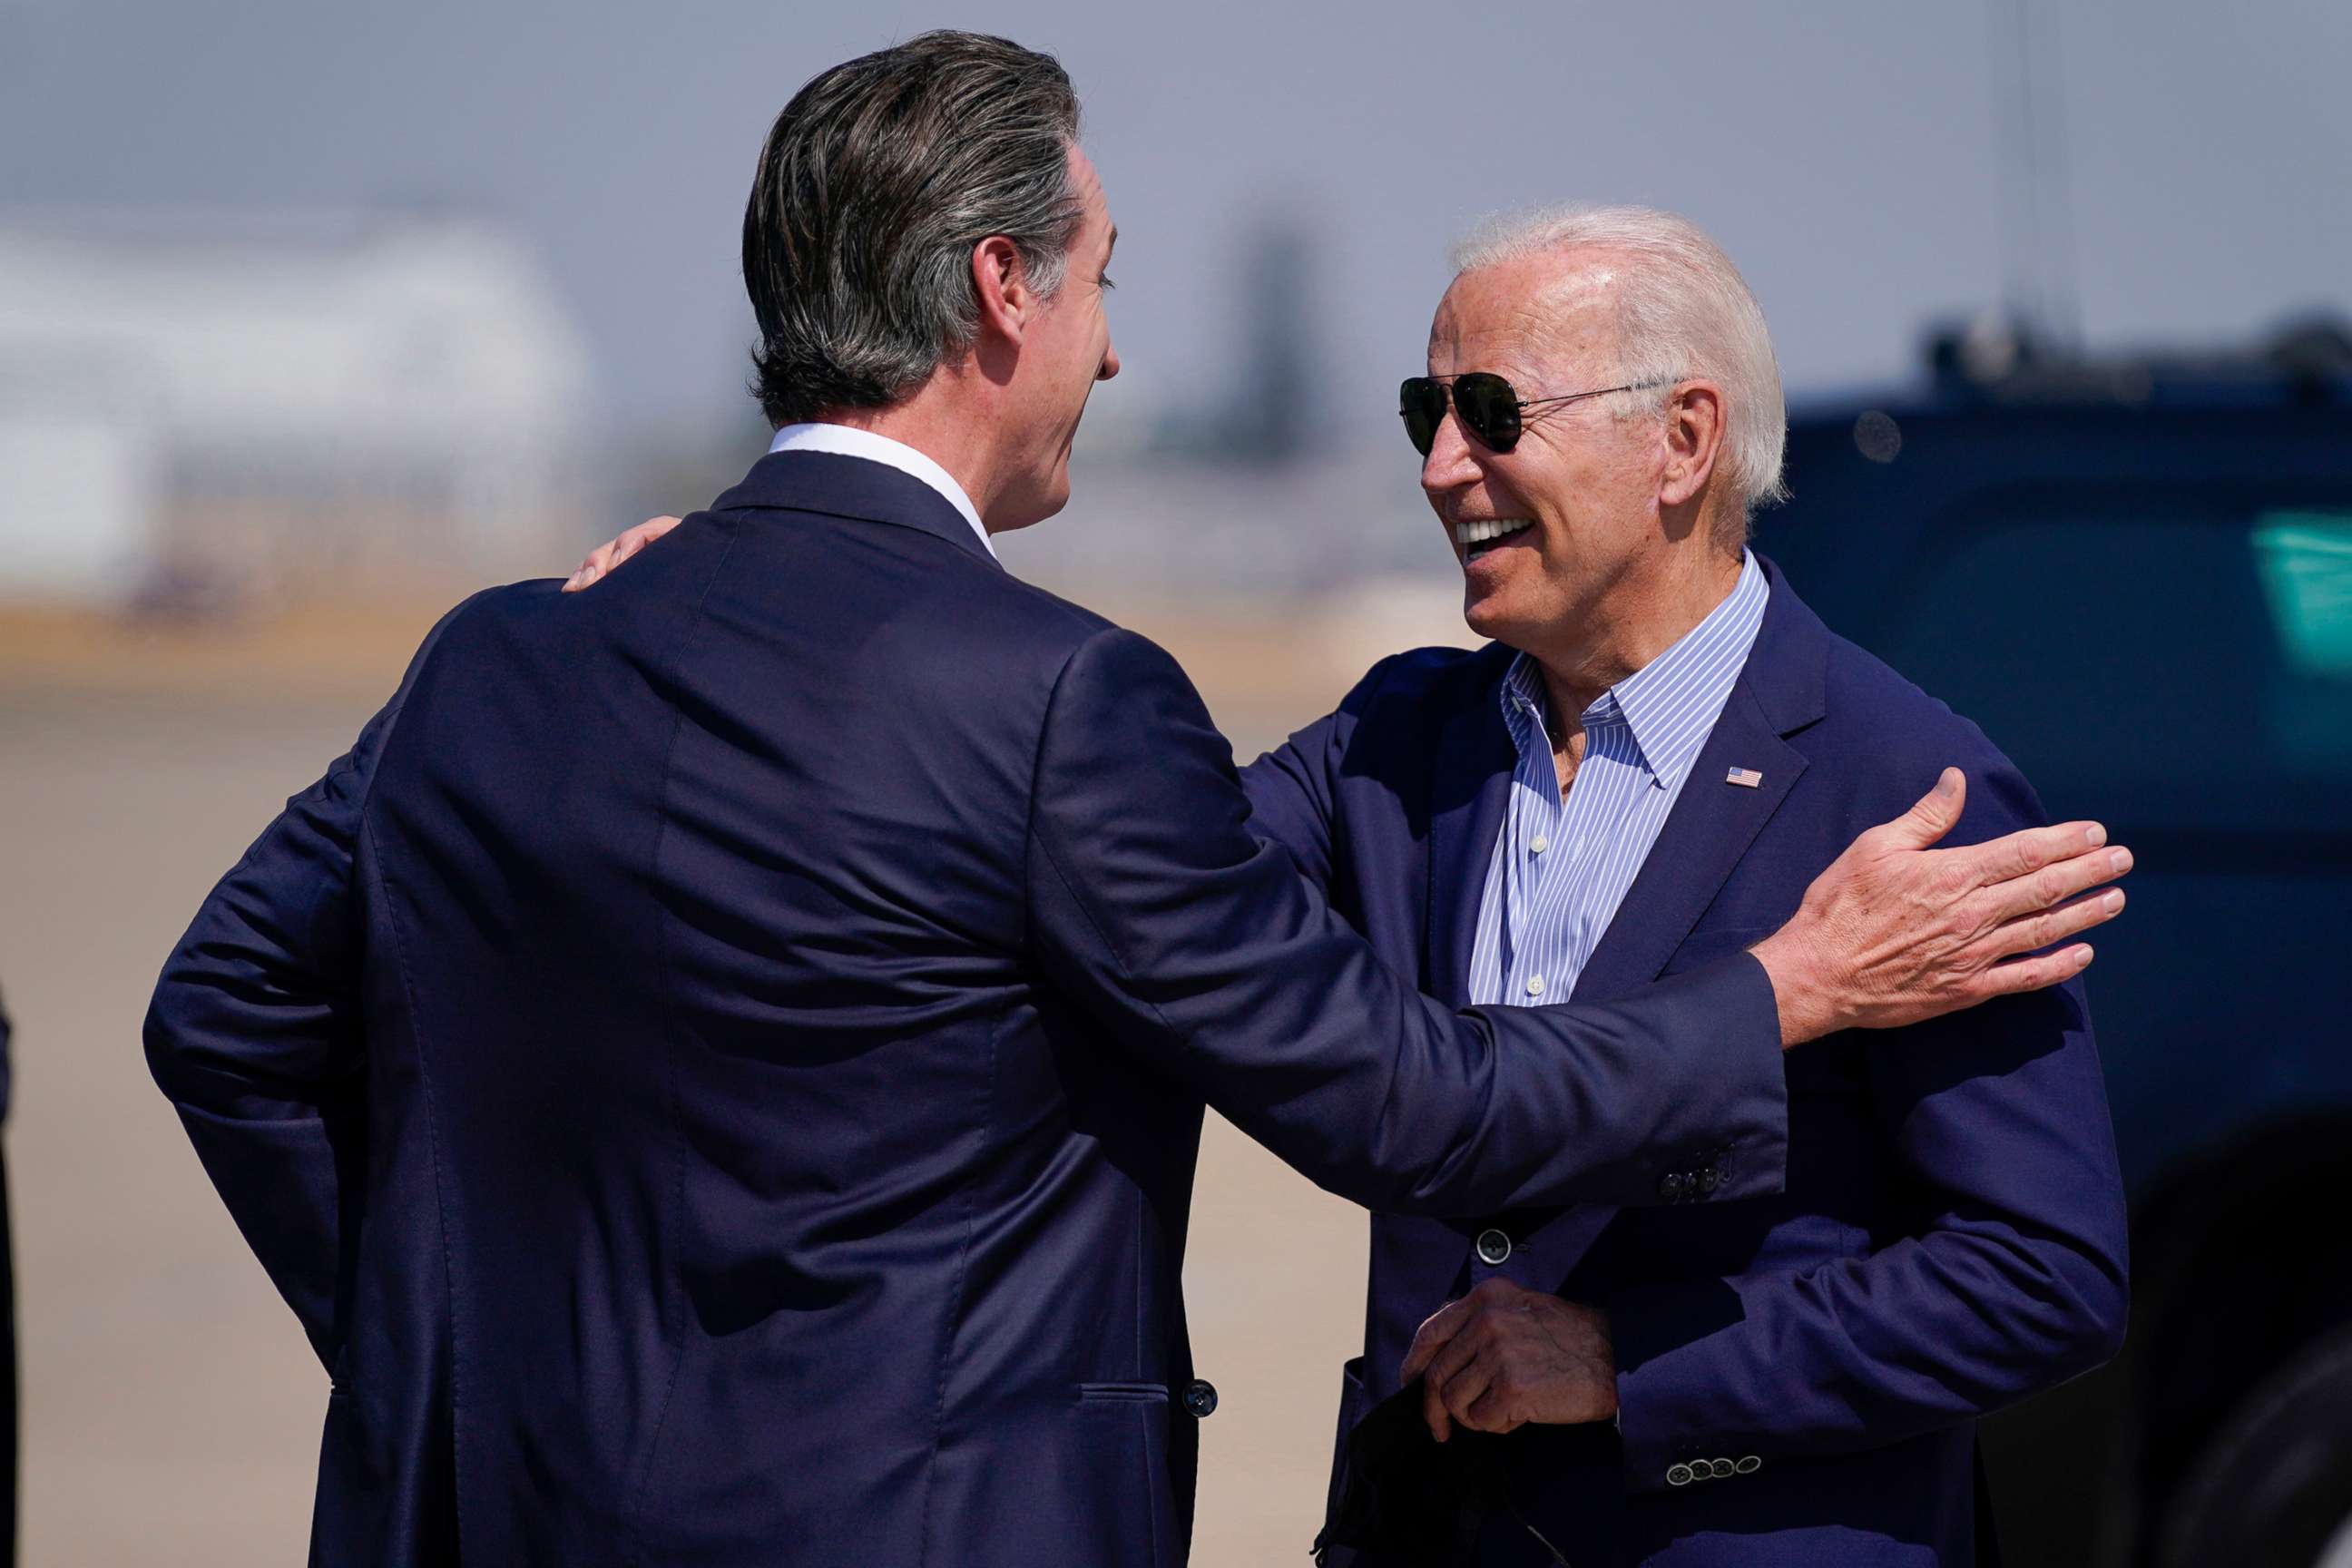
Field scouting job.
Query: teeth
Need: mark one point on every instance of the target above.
(1489, 528)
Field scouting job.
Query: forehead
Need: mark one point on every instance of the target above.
(1087, 183)
(1556, 309)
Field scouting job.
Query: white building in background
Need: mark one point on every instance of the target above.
(200, 406)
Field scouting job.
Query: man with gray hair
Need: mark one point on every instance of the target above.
(1659, 750)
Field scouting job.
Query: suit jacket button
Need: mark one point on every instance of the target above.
(1678, 1475)
(1710, 1179)
(1670, 1186)
(1494, 1248)
(1201, 1397)
(1748, 1465)
(1722, 1469)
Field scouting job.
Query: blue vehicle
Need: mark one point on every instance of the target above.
(2136, 575)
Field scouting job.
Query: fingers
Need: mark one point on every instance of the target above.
(637, 538)
(2023, 852)
(595, 565)
(1494, 1410)
(2021, 974)
(1432, 1336)
(612, 552)
(2040, 930)
(1458, 1393)
(1432, 1410)
(1933, 815)
(2055, 882)
(1448, 1350)
(1454, 1361)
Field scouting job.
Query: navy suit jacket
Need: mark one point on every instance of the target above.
(717, 1068)
(1799, 1374)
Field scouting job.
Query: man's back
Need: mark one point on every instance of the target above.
(698, 905)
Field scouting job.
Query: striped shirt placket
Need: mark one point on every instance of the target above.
(1561, 867)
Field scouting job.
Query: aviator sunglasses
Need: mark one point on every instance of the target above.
(1488, 405)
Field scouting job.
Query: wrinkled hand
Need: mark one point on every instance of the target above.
(1504, 1355)
(606, 556)
(1895, 932)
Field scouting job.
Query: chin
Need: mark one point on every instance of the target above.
(1054, 492)
(1485, 616)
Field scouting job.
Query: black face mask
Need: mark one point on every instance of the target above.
(1413, 1498)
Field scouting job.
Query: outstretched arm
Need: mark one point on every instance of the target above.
(1154, 903)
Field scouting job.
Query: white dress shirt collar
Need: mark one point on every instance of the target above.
(844, 441)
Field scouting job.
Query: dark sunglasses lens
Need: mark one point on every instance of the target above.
(1423, 403)
(1489, 405)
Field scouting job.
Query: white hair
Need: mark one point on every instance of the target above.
(1683, 311)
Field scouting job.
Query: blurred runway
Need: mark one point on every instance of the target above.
(172, 1409)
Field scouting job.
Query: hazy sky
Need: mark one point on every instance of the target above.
(1844, 151)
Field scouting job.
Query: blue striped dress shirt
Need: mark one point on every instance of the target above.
(1561, 867)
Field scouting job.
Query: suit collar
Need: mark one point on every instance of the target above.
(1788, 670)
(850, 442)
(841, 485)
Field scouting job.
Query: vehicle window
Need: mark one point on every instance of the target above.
(2181, 664)
(2305, 560)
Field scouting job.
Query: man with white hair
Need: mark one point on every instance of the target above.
(1641, 773)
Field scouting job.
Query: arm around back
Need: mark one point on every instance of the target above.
(1205, 955)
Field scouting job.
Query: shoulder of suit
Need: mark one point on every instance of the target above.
(1886, 739)
(1426, 683)
(1880, 706)
(1054, 617)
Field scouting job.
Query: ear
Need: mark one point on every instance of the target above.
(1694, 437)
(999, 282)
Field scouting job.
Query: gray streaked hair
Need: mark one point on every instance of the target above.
(1683, 311)
(879, 179)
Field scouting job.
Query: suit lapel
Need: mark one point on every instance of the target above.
(1779, 692)
(1471, 788)
(1710, 828)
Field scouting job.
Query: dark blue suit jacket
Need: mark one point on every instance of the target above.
(717, 1068)
(1952, 1234)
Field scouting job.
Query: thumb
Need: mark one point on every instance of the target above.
(1935, 815)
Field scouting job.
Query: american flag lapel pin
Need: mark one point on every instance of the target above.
(1745, 778)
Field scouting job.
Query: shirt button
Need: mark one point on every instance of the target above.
(1535, 984)
(1494, 1248)
(1540, 846)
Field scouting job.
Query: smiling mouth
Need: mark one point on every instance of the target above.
(1479, 537)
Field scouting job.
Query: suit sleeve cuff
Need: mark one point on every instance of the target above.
(1736, 1146)
(1671, 1423)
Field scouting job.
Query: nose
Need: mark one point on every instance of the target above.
(1452, 462)
(1110, 366)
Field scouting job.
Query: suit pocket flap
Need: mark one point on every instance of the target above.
(1094, 1390)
